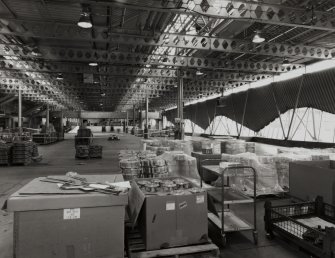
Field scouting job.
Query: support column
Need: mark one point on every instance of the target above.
(180, 108)
(146, 127)
(61, 131)
(146, 112)
(20, 110)
(127, 121)
(47, 117)
(134, 119)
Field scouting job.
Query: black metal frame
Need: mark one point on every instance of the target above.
(283, 221)
(239, 167)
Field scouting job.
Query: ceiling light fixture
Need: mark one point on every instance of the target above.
(93, 64)
(59, 77)
(258, 38)
(160, 66)
(286, 63)
(85, 18)
(36, 52)
(103, 94)
(199, 73)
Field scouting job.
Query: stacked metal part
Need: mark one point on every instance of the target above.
(174, 186)
(235, 146)
(82, 151)
(4, 154)
(131, 168)
(22, 152)
(95, 151)
(159, 168)
(250, 147)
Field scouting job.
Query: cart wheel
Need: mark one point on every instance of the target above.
(224, 241)
(269, 236)
(255, 236)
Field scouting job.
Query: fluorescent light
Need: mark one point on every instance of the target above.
(160, 66)
(93, 64)
(258, 39)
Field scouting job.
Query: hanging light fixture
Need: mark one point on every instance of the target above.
(59, 77)
(286, 63)
(36, 52)
(199, 72)
(85, 18)
(93, 64)
(258, 38)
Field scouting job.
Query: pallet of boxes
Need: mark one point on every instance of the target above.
(160, 208)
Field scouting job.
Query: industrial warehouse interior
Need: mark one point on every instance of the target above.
(167, 128)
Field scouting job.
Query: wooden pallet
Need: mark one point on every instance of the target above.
(135, 249)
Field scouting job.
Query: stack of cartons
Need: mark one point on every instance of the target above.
(95, 151)
(22, 152)
(4, 154)
(82, 151)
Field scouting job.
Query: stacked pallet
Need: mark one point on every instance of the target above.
(159, 167)
(82, 151)
(4, 154)
(22, 152)
(95, 151)
(131, 168)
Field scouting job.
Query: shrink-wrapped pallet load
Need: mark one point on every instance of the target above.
(250, 147)
(235, 146)
(267, 179)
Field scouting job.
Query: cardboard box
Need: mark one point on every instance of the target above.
(170, 220)
(308, 179)
(49, 223)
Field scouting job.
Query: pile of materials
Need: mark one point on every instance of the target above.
(154, 167)
(235, 146)
(95, 151)
(22, 152)
(4, 154)
(131, 168)
(265, 166)
(82, 151)
(181, 164)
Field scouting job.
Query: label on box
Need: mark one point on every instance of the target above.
(200, 199)
(170, 206)
(72, 213)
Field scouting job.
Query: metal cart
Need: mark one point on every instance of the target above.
(226, 195)
(310, 225)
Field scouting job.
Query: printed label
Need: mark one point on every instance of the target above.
(182, 205)
(200, 199)
(170, 206)
(72, 213)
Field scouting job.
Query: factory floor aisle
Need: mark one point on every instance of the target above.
(59, 158)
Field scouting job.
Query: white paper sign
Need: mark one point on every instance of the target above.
(170, 206)
(71, 213)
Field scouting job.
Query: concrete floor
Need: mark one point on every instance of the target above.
(59, 158)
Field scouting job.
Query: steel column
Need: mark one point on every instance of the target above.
(20, 111)
(47, 117)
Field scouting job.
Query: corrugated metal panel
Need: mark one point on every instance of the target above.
(318, 91)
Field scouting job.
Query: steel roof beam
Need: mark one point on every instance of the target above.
(277, 14)
(73, 33)
(89, 55)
